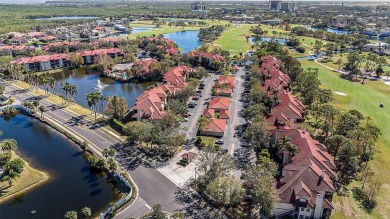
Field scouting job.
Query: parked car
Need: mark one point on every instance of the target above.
(245, 144)
(195, 98)
(198, 91)
(186, 115)
(192, 104)
(219, 141)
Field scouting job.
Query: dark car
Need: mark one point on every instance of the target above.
(195, 98)
(198, 91)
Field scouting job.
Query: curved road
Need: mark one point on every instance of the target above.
(153, 187)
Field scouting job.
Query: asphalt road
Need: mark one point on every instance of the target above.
(154, 187)
(232, 142)
(202, 104)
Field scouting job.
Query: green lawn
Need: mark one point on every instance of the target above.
(345, 60)
(364, 98)
(28, 178)
(234, 39)
(209, 141)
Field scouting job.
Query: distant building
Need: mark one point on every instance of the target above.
(198, 6)
(276, 5)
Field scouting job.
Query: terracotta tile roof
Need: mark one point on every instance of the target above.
(226, 80)
(14, 47)
(312, 167)
(48, 38)
(43, 58)
(207, 55)
(208, 113)
(224, 91)
(216, 125)
(101, 51)
(219, 103)
(224, 114)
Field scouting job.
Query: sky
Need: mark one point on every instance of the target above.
(43, 1)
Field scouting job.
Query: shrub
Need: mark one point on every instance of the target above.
(300, 49)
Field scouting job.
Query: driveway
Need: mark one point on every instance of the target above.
(199, 108)
(232, 141)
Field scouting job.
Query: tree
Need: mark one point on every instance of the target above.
(339, 62)
(138, 131)
(108, 152)
(76, 60)
(169, 120)
(264, 195)
(93, 99)
(252, 111)
(8, 145)
(42, 109)
(70, 215)
(334, 143)
(85, 212)
(104, 62)
(116, 107)
(347, 165)
(157, 213)
(226, 190)
(213, 164)
(257, 135)
(202, 123)
(112, 166)
(257, 31)
(2, 88)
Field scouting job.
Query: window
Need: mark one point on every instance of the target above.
(307, 217)
(307, 209)
(301, 216)
(302, 209)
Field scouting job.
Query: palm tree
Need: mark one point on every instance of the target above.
(285, 144)
(2, 88)
(202, 123)
(291, 149)
(8, 145)
(42, 109)
(35, 103)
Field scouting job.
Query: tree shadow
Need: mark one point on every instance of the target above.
(363, 200)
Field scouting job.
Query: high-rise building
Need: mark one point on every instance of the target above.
(198, 6)
(277, 5)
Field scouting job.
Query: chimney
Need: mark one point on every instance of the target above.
(323, 174)
(318, 208)
(139, 115)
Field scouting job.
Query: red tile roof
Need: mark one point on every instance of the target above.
(13, 47)
(207, 55)
(101, 51)
(226, 80)
(219, 103)
(208, 113)
(216, 125)
(224, 114)
(43, 58)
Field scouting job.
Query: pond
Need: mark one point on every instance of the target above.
(89, 80)
(186, 40)
(267, 39)
(66, 18)
(332, 30)
(71, 186)
(135, 30)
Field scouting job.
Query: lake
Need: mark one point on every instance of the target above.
(331, 30)
(267, 39)
(135, 30)
(71, 186)
(66, 18)
(186, 40)
(88, 80)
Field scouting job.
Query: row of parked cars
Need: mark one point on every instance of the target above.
(197, 96)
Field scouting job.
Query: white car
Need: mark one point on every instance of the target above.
(219, 141)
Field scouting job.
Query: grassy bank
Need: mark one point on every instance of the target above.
(29, 178)
(364, 98)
